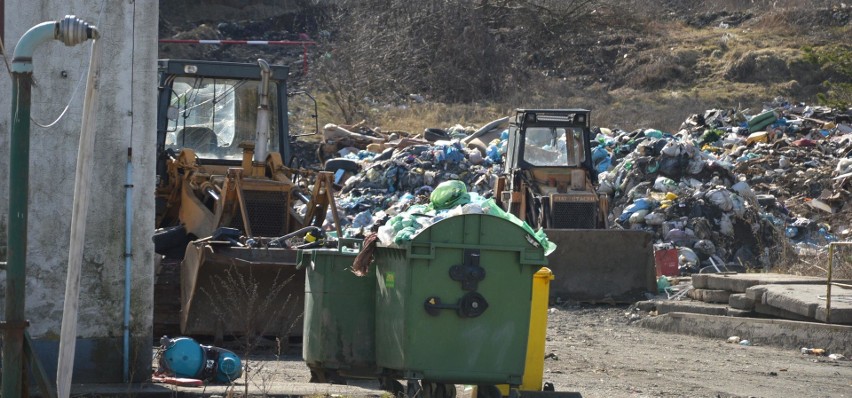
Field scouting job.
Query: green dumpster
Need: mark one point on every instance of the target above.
(453, 304)
(339, 324)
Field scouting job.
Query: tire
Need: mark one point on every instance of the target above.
(449, 390)
(326, 376)
(432, 389)
(392, 386)
(171, 242)
(317, 376)
(342, 163)
(488, 391)
(435, 134)
(413, 389)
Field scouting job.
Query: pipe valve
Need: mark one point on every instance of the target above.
(72, 31)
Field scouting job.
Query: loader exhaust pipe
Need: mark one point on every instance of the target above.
(261, 146)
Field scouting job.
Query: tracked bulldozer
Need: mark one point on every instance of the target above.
(226, 202)
(550, 182)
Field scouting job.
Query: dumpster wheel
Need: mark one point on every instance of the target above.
(488, 391)
(392, 386)
(438, 390)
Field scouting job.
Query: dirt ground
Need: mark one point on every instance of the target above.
(601, 355)
(596, 351)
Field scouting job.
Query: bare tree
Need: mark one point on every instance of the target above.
(455, 51)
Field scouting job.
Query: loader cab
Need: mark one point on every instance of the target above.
(211, 108)
(550, 138)
(550, 178)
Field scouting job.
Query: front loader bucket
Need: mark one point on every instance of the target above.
(601, 265)
(238, 291)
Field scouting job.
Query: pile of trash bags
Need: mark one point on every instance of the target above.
(683, 195)
(449, 199)
(733, 189)
(730, 188)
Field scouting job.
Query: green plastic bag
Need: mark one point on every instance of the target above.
(404, 235)
(449, 194)
(490, 207)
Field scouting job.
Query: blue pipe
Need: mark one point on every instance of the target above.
(128, 253)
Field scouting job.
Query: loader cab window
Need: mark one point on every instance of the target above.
(553, 146)
(212, 116)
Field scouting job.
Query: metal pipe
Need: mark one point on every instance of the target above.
(16, 239)
(67, 31)
(828, 283)
(128, 255)
(261, 145)
(302, 196)
(829, 279)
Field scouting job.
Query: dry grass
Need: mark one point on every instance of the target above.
(414, 118)
(625, 108)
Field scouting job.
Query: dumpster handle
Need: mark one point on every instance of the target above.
(471, 305)
(527, 255)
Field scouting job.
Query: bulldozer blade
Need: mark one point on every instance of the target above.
(239, 291)
(601, 265)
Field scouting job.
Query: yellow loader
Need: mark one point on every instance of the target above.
(230, 212)
(550, 183)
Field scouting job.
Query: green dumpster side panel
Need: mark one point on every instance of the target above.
(449, 348)
(339, 331)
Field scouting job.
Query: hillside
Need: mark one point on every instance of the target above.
(635, 63)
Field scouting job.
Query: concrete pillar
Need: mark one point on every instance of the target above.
(126, 115)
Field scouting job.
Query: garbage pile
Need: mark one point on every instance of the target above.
(667, 185)
(731, 190)
(397, 178)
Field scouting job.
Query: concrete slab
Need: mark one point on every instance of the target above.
(646, 305)
(740, 301)
(779, 313)
(809, 301)
(775, 332)
(755, 293)
(740, 313)
(839, 315)
(715, 296)
(798, 299)
(738, 283)
(709, 295)
(699, 281)
(841, 306)
(694, 294)
(696, 307)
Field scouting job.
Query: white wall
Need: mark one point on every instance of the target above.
(125, 118)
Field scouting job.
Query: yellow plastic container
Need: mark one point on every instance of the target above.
(533, 379)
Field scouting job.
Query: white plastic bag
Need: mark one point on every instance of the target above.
(638, 217)
(665, 184)
(655, 219)
(721, 198)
